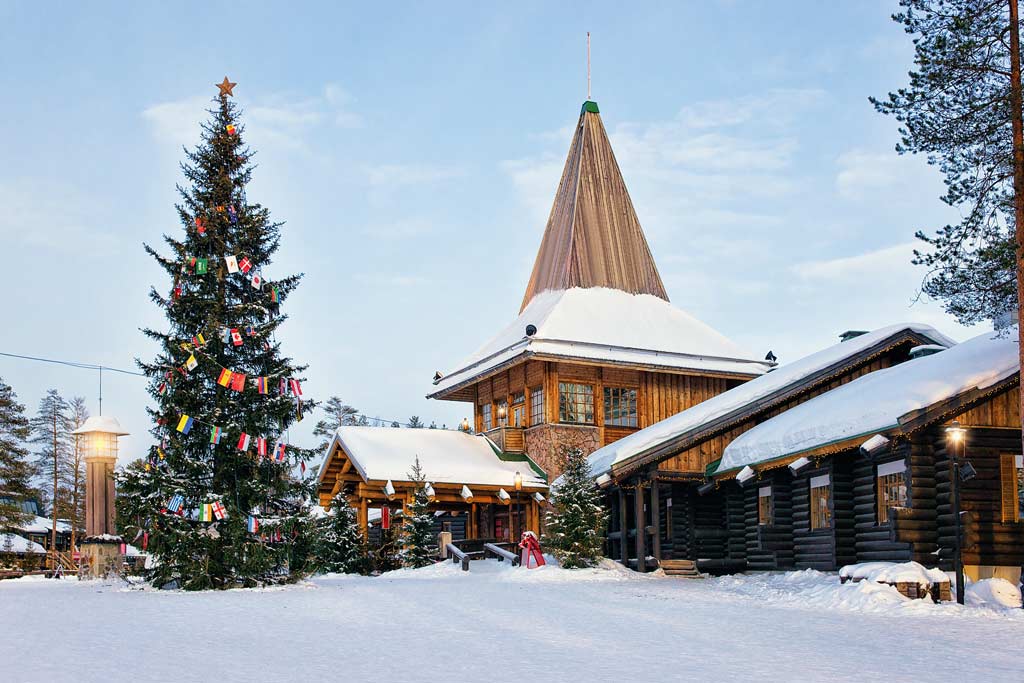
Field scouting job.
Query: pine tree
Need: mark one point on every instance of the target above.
(73, 480)
(220, 320)
(958, 111)
(15, 468)
(340, 544)
(415, 422)
(576, 524)
(418, 524)
(388, 553)
(337, 414)
(51, 433)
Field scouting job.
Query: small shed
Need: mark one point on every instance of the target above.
(499, 493)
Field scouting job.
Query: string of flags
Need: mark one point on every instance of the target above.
(245, 441)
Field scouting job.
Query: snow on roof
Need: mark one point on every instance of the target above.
(605, 324)
(738, 398)
(43, 525)
(453, 457)
(101, 423)
(20, 544)
(875, 402)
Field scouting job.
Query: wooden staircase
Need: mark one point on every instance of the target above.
(684, 569)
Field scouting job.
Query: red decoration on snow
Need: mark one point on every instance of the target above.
(531, 550)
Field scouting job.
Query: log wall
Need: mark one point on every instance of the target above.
(770, 547)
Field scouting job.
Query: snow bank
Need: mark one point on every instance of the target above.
(20, 544)
(893, 572)
(492, 570)
(737, 399)
(875, 402)
(998, 593)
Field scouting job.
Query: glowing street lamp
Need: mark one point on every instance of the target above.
(957, 437)
(101, 545)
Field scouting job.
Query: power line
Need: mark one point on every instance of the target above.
(73, 364)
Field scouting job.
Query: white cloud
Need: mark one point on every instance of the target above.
(867, 265)
(42, 213)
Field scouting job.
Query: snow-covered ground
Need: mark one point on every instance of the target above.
(494, 622)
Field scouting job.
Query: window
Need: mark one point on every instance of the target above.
(892, 488)
(575, 403)
(518, 409)
(765, 509)
(485, 411)
(620, 407)
(1011, 481)
(536, 406)
(821, 495)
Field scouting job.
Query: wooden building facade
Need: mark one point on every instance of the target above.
(597, 352)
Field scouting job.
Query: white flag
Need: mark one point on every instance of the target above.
(257, 281)
(232, 264)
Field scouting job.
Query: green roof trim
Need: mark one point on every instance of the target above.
(519, 457)
(712, 466)
(591, 107)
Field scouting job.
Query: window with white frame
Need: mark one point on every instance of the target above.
(891, 488)
(821, 502)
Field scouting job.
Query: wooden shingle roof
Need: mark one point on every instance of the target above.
(593, 237)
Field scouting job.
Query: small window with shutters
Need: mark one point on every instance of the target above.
(1011, 483)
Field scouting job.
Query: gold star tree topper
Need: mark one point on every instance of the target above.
(226, 87)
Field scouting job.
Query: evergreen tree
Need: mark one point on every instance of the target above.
(340, 545)
(958, 110)
(388, 554)
(222, 317)
(415, 422)
(73, 477)
(51, 434)
(418, 525)
(576, 524)
(337, 414)
(395, 425)
(15, 468)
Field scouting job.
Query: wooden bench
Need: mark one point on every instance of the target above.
(458, 556)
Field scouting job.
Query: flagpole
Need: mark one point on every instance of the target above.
(588, 65)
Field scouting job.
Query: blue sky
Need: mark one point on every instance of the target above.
(414, 150)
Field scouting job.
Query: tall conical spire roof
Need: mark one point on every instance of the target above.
(593, 237)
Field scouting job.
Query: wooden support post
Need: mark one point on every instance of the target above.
(656, 520)
(623, 533)
(641, 529)
(364, 519)
(471, 523)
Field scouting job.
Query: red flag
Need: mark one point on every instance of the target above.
(245, 265)
(238, 381)
(236, 336)
(385, 518)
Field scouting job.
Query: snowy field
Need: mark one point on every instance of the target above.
(438, 624)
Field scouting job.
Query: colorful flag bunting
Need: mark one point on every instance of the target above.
(236, 336)
(279, 451)
(199, 340)
(261, 385)
(185, 424)
(251, 331)
(200, 225)
(205, 512)
(257, 281)
(202, 266)
(274, 296)
(245, 265)
(243, 442)
(261, 446)
(283, 387)
(230, 128)
(302, 466)
(162, 388)
(253, 525)
(233, 214)
(225, 377)
(218, 510)
(215, 435)
(296, 388)
(192, 363)
(238, 381)
(232, 264)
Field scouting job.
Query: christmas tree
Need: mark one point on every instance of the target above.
(217, 503)
(577, 521)
(340, 545)
(418, 524)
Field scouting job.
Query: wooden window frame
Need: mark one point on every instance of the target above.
(536, 406)
(500, 421)
(486, 420)
(820, 517)
(581, 396)
(884, 483)
(1011, 487)
(766, 512)
(617, 404)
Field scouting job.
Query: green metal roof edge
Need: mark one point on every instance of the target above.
(590, 106)
(505, 456)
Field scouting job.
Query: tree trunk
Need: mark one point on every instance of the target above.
(1017, 119)
(53, 507)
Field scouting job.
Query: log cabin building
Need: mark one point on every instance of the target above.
(477, 491)
(863, 472)
(597, 352)
(657, 475)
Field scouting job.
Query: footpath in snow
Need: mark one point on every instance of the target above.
(439, 623)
